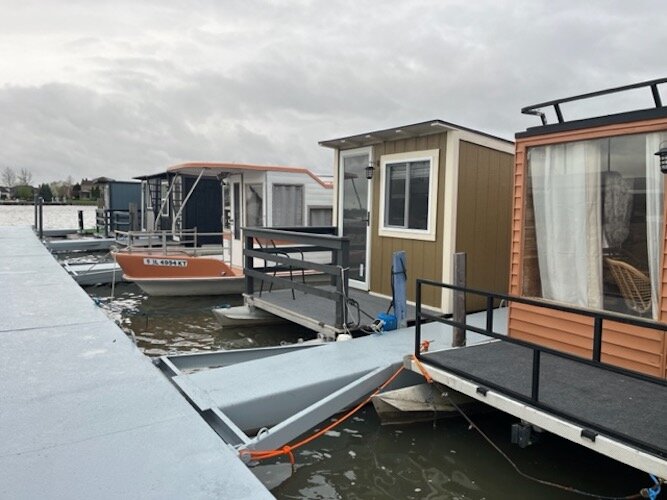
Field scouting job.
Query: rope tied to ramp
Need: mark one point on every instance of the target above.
(287, 450)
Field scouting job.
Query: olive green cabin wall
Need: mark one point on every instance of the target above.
(484, 214)
(424, 258)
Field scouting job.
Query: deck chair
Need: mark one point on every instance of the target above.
(634, 285)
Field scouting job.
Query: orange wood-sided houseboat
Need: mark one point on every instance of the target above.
(588, 230)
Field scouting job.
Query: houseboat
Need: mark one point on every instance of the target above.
(191, 239)
(431, 189)
(588, 231)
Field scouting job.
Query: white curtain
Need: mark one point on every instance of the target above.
(567, 203)
(655, 182)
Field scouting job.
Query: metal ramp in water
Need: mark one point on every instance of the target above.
(285, 391)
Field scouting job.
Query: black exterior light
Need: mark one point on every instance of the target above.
(369, 168)
(662, 153)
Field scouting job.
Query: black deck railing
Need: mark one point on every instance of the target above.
(291, 251)
(556, 103)
(534, 399)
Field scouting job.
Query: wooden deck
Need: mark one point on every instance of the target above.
(318, 314)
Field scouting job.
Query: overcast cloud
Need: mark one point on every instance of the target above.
(124, 88)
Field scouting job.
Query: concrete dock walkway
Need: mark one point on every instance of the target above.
(83, 413)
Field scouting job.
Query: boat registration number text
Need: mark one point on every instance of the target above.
(150, 261)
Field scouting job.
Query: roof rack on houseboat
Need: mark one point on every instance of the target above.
(535, 109)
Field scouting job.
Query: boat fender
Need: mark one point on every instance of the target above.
(342, 337)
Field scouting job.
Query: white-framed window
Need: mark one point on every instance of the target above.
(408, 191)
(320, 216)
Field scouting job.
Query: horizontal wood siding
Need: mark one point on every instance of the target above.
(484, 209)
(424, 258)
(640, 349)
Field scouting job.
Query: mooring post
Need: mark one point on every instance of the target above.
(40, 202)
(80, 221)
(459, 300)
(134, 220)
(36, 202)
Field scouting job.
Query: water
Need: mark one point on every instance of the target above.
(360, 459)
(55, 216)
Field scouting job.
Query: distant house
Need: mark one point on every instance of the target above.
(22, 192)
(86, 189)
(5, 193)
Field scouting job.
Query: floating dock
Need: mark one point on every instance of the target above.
(288, 390)
(318, 313)
(84, 413)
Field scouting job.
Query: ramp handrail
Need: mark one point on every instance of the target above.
(537, 349)
(304, 241)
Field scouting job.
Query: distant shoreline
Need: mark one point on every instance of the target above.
(83, 203)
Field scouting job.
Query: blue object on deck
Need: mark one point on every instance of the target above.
(399, 277)
(390, 322)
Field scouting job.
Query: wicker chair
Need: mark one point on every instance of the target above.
(634, 285)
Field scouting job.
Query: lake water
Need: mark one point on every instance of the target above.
(361, 459)
(55, 216)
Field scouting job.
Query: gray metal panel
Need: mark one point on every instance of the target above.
(262, 392)
(84, 414)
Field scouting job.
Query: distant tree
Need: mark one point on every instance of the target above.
(24, 177)
(8, 177)
(24, 193)
(45, 192)
(76, 191)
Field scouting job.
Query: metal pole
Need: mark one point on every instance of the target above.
(80, 216)
(36, 202)
(535, 393)
(459, 298)
(249, 264)
(597, 339)
(41, 217)
(418, 319)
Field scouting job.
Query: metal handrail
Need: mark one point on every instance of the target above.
(534, 399)
(161, 239)
(535, 108)
(304, 241)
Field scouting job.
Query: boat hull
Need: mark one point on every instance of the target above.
(244, 316)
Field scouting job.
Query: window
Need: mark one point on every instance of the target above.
(254, 205)
(408, 188)
(287, 205)
(320, 216)
(593, 224)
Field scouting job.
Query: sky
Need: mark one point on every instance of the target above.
(92, 88)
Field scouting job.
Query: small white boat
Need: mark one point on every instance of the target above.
(84, 244)
(419, 403)
(245, 316)
(94, 273)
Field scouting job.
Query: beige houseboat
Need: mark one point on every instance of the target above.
(430, 189)
(588, 231)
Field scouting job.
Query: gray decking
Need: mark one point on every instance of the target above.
(623, 404)
(83, 413)
(318, 313)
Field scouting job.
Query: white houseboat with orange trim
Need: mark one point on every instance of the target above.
(191, 241)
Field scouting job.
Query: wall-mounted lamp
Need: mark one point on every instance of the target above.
(662, 153)
(369, 170)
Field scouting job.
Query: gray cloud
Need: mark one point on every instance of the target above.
(126, 88)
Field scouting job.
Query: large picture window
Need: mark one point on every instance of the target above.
(593, 224)
(409, 186)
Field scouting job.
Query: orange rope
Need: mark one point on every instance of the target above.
(422, 369)
(287, 450)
